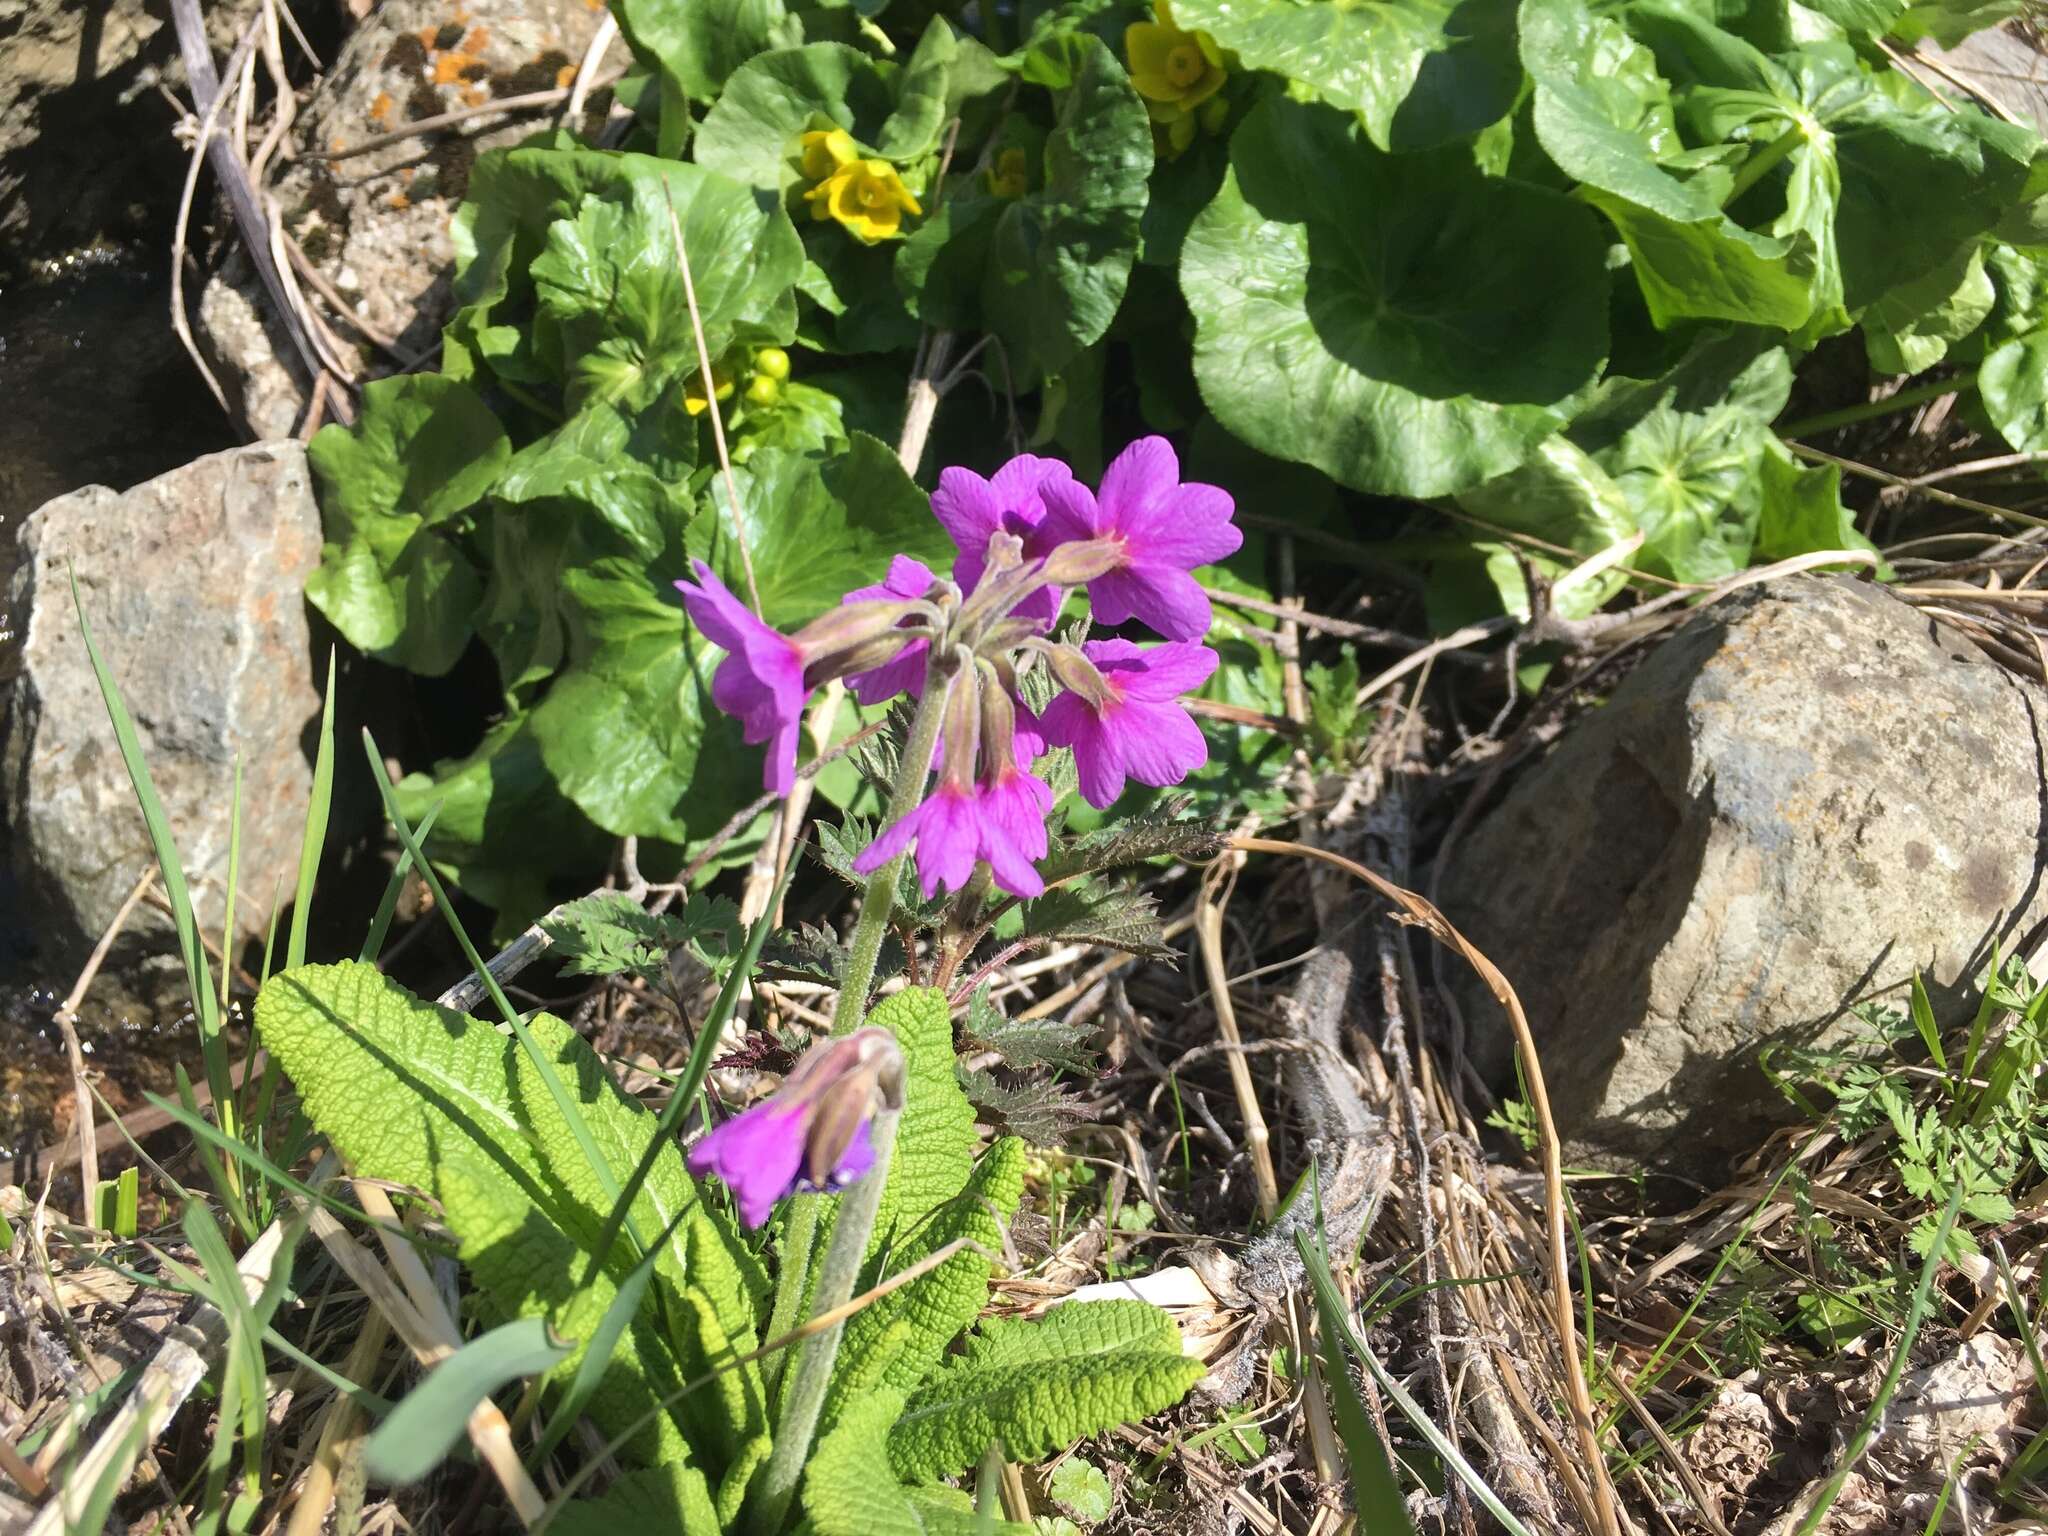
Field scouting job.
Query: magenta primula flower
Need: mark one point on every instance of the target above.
(1134, 727)
(1002, 821)
(907, 579)
(1165, 529)
(811, 1133)
(761, 681)
(973, 510)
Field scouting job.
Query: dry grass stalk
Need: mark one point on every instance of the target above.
(66, 1020)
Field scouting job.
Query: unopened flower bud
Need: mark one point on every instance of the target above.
(960, 733)
(998, 722)
(1081, 560)
(1078, 674)
(829, 640)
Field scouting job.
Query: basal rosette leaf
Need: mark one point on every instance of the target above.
(1036, 1387)
(935, 1138)
(699, 43)
(898, 1340)
(1352, 307)
(1912, 327)
(1045, 271)
(1563, 497)
(894, 111)
(667, 1500)
(1420, 73)
(425, 450)
(848, 1489)
(408, 1091)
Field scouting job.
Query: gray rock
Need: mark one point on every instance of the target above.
(1803, 795)
(192, 583)
(376, 225)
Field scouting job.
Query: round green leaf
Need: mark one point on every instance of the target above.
(896, 110)
(1418, 72)
(1402, 322)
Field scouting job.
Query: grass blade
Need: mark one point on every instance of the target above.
(1374, 1491)
(198, 975)
(420, 1432)
(693, 1073)
(1330, 1306)
(318, 804)
(387, 905)
(604, 1339)
(1889, 1386)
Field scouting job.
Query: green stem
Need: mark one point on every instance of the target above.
(799, 1236)
(1870, 410)
(818, 1353)
(800, 1231)
(879, 899)
(1760, 164)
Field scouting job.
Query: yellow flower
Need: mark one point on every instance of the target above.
(694, 399)
(1011, 174)
(1172, 68)
(867, 196)
(824, 151)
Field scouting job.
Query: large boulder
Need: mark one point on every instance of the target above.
(376, 225)
(192, 583)
(1806, 794)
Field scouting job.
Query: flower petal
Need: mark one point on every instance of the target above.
(756, 1154)
(1160, 744)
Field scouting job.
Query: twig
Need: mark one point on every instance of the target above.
(732, 490)
(1900, 482)
(1563, 1318)
(425, 125)
(586, 72)
(1259, 1140)
(1343, 629)
(1979, 467)
(67, 1022)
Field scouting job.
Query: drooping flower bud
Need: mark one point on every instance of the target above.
(812, 1132)
(960, 734)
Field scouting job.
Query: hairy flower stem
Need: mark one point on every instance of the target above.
(817, 1354)
(800, 1228)
(879, 899)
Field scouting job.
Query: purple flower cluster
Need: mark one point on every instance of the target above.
(1025, 538)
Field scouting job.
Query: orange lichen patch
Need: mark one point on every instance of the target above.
(478, 40)
(381, 109)
(337, 146)
(426, 35)
(474, 96)
(448, 67)
(565, 77)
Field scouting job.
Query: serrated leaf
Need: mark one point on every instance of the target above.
(1158, 833)
(1036, 1387)
(1084, 912)
(669, 1500)
(1035, 1110)
(1024, 1043)
(848, 1490)
(608, 932)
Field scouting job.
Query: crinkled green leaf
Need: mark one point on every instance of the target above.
(425, 450)
(1373, 347)
(2014, 384)
(1045, 271)
(1419, 73)
(360, 1049)
(935, 1139)
(893, 111)
(668, 1500)
(609, 932)
(898, 1340)
(848, 1489)
(1037, 1387)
